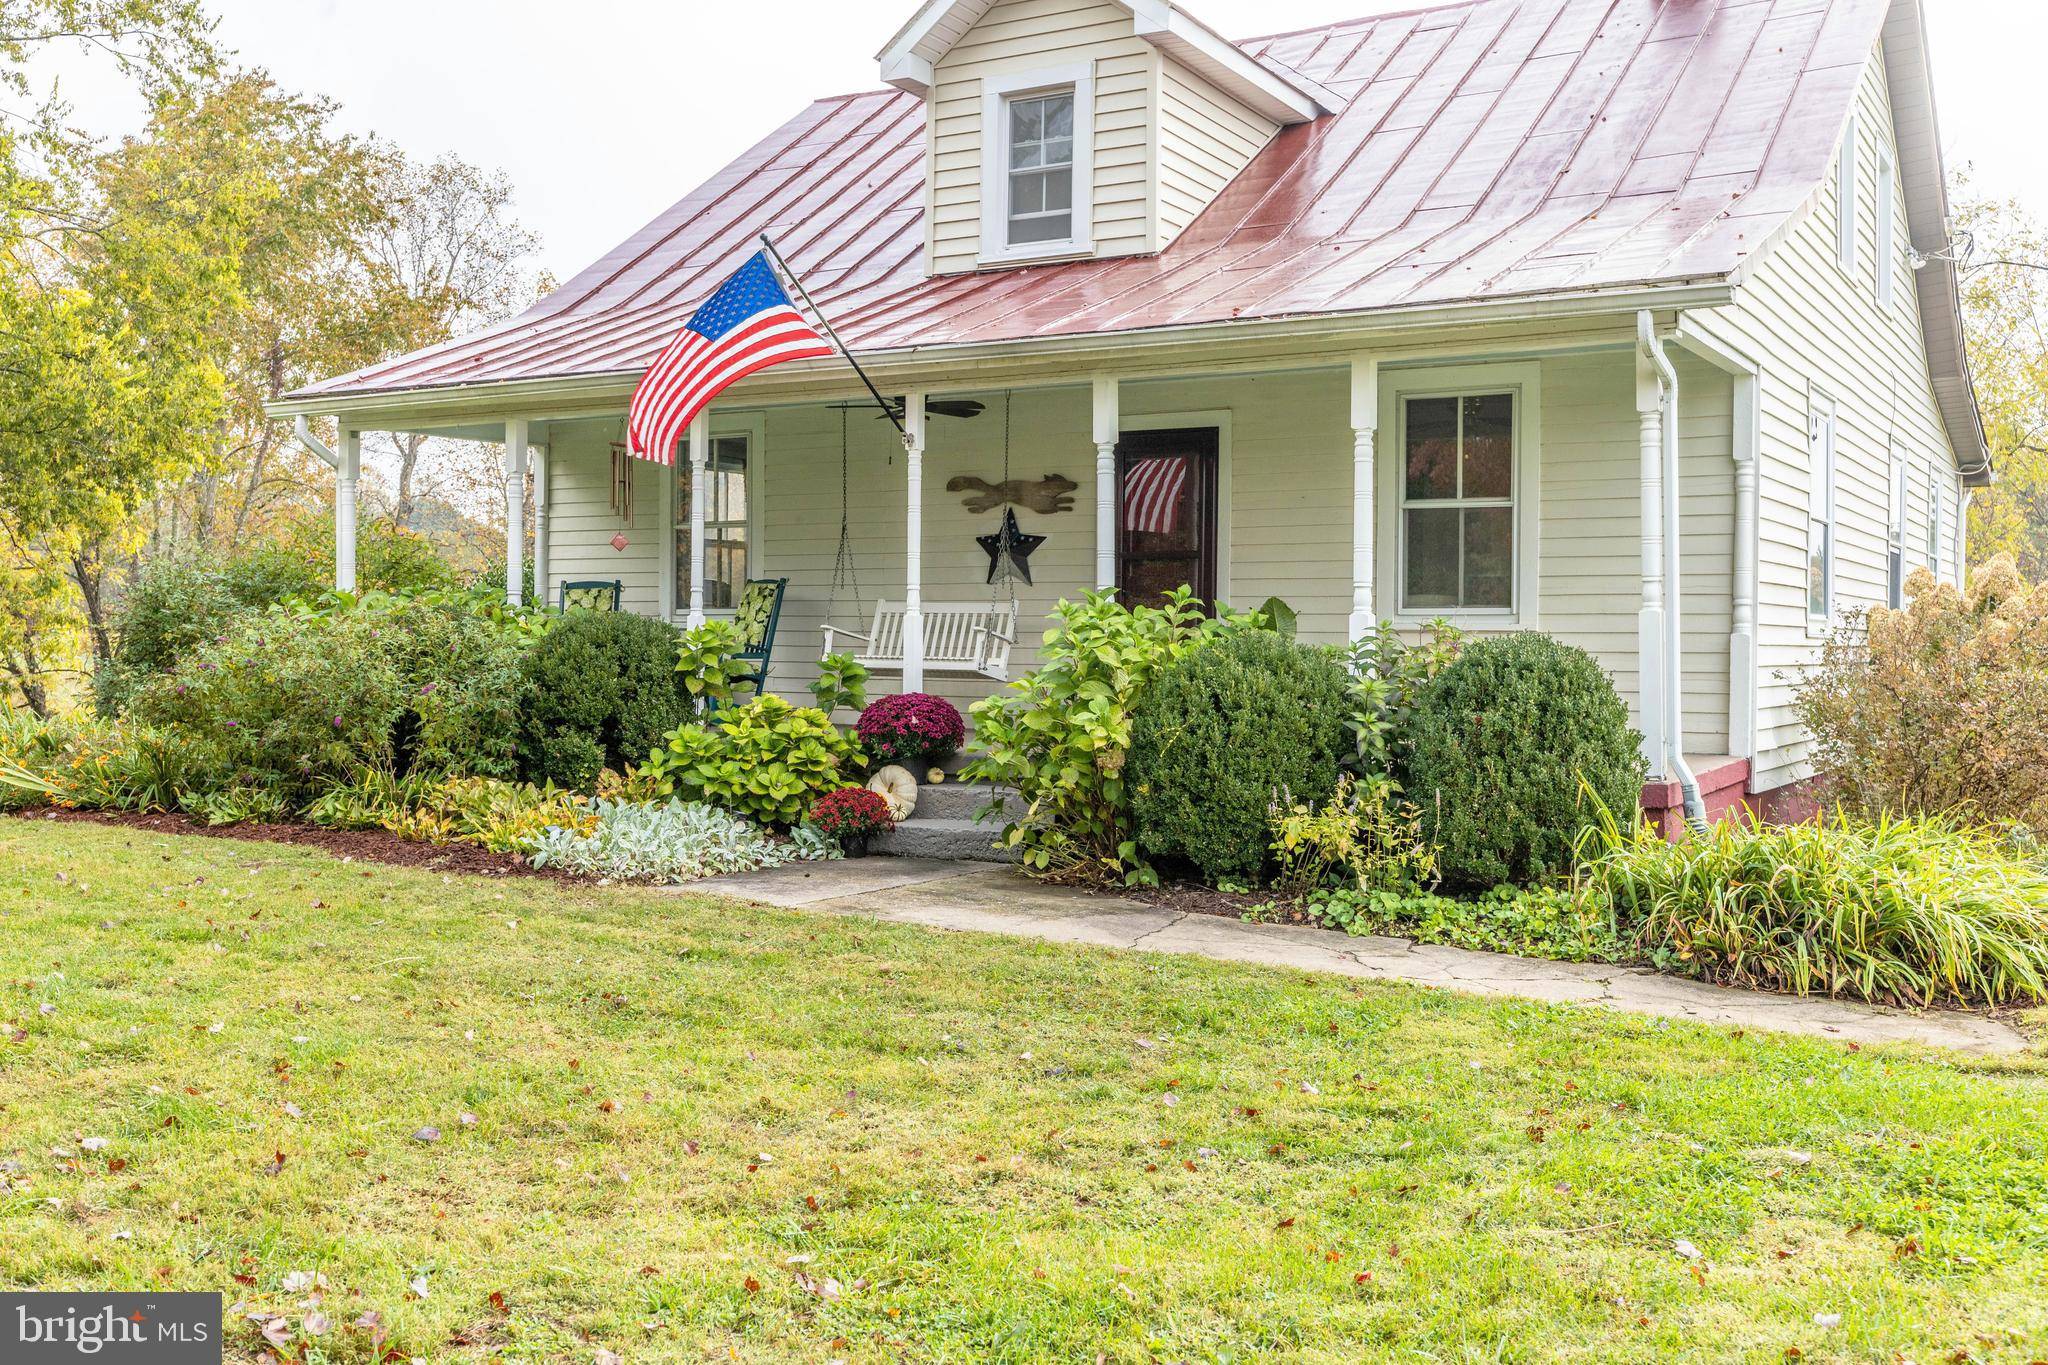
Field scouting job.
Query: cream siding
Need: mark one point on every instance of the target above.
(1205, 138)
(581, 522)
(1286, 528)
(1166, 142)
(1028, 35)
(1811, 327)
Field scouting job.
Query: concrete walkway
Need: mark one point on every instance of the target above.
(998, 900)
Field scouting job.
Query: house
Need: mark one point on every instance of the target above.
(1633, 321)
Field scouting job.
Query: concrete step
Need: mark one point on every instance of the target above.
(925, 837)
(963, 801)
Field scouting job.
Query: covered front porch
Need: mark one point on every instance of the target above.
(1500, 488)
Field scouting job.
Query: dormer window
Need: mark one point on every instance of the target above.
(1041, 159)
(1036, 189)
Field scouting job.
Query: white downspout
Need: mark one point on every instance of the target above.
(1673, 657)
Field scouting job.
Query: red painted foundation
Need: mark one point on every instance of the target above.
(1724, 788)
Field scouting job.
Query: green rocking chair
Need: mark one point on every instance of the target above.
(596, 594)
(755, 617)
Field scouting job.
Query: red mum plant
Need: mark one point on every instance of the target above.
(915, 729)
(852, 813)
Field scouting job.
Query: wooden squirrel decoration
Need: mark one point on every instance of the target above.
(1053, 493)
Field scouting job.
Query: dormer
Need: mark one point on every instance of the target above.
(1076, 129)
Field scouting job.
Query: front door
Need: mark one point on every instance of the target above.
(1166, 514)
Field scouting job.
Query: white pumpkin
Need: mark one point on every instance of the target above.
(898, 788)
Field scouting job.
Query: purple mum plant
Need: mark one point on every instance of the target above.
(914, 728)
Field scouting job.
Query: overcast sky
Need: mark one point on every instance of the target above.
(606, 111)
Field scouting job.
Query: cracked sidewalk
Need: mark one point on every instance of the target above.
(994, 899)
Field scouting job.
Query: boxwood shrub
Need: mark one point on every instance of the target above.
(598, 691)
(1502, 747)
(1221, 733)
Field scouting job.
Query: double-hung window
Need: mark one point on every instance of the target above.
(1820, 519)
(1041, 169)
(1933, 518)
(725, 496)
(1037, 163)
(1458, 491)
(1887, 228)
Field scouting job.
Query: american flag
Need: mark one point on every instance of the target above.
(1152, 489)
(748, 325)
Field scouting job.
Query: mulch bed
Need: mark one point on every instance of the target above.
(1207, 900)
(362, 845)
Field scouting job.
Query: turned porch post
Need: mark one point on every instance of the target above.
(913, 549)
(1107, 422)
(1365, 420)
(515, 511)
(348, 468)
(1650, 616)
(700, 460)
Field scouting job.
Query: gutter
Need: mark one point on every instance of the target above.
(1673, 651)
(315, 444)
(934, 364)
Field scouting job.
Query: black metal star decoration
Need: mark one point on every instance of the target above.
(1009, 549)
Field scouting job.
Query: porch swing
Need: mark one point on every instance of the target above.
(960, 638)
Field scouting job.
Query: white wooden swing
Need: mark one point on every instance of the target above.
(960, 638)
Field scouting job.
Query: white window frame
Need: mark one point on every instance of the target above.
(1823, 443)
(1397, 386)
(1845, 200)
(1887, 228)
(676, 570)
(996, 94)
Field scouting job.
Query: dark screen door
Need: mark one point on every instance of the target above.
(1166, 514)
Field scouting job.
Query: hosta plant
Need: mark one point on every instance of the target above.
(766, 760)
(674, 841)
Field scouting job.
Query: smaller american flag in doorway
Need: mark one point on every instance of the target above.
(1152, 489)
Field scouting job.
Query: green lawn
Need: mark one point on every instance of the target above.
(704, 1131)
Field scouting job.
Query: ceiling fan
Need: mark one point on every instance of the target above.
(937, 407)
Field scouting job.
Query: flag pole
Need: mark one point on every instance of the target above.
(782, 267)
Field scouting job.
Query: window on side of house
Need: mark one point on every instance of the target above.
(725, 524)
(1933, 528)
(1820, 518)
(1458, 492)
(1887, 228)
(1845, 200)
(1895, 545)
(1039, 168)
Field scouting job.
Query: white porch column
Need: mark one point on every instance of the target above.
(515, 511)
(541, 596)
(1365, 421)
(700, 460)
(1742, 630)
(348, 468)
(1650, 617)
(1107, 424)
(913, 550)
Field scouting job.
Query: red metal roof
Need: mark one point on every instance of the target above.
(1489, 149)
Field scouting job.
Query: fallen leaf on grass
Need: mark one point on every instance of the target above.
(427, 1135)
